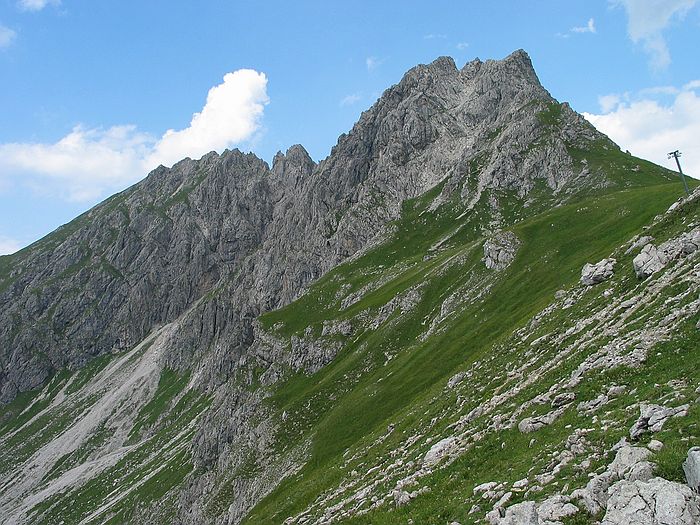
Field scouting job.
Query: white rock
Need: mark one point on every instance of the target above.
(630, 463)
(521, 484)
(654, 502)
(649, 261)
(531, 424)
(439, 450)
(655, 445)
(597, 273)
(484, 487)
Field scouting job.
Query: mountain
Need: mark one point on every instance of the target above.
(368, 339)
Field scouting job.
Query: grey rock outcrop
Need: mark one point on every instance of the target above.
(532, 424)
(649, 261)
(691, 468)
(652, 259)
(592, 274)
(439, 450)
(654, 502)
(500, 250)
(652, 418)
(630, 463)
(549, 512)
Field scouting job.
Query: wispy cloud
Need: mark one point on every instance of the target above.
(351, 99)
(9, 245)
(462, 45)
(36, 5)
(373, 63)
(87, 163)
(435, 36)
(646, 22)
(578, 30)
(650, 126)
(7, 36)
(588, 28)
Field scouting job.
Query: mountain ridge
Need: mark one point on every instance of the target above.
(225, 326)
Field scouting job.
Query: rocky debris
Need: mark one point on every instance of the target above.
(343, 327)
(655, 445)
(550, 512)
(653, 259)
(691, 468)
(630, 463)
(653, 502)
(521, 484)
(638, 242)
(401, 497)
(577, 442)
(563, 399)
(616, 390)
(500, 250)
(485, 487)
(592, 274)
(531, 424)
(589, 407)
(440, 450)
(649, 261)
(456, 379)
(652, 418)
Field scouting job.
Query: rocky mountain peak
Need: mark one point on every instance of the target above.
(296, 162)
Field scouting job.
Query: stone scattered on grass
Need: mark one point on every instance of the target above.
(652, 418)
(592, 274)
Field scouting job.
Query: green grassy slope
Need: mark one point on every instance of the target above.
(381, 376)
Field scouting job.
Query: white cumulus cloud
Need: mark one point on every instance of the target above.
(231, 114)
(36, 5)
(652, 127)
(88, 163)
(647, 20)
(7, 36)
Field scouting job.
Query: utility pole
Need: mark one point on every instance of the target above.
(675, 155)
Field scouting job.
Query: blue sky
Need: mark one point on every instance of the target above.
(89, 89)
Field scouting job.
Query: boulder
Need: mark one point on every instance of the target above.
(649, 261)
(654, 502)
(638, 242)
(592, 274)
(652, 418)
(401, 497)
(691, 468)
